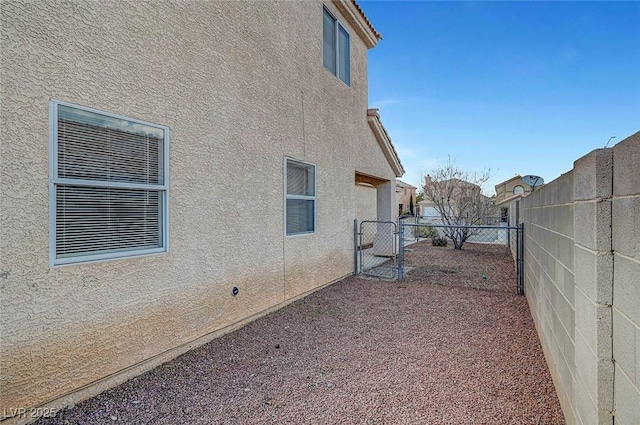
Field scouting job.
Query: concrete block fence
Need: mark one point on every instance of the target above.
(582, 282)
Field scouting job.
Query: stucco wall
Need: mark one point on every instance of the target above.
(241, 86)
(366, 208)
(581, 280)
(366, 202)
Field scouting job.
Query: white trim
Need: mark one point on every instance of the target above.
(101, 183)
(53, 173)
(165, 194)
(385, 142)
(109, 114)
(96, 258)
(54, 181)
(313, 198)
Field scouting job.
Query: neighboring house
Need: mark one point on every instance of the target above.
(508, 191)
(459, 187)
(459, 192)
(124, 127)
(405, 193)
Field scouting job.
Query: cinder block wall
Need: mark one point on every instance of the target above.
(582, 282)
(593, 392)
(549, 279)
(626, 279)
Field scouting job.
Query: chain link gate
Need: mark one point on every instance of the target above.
(377, 252)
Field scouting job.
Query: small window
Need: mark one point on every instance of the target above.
(518, 190)
(300, 197)
(504, 214)
(108, 185)
(336, 48)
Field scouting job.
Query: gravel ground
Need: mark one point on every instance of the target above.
(487, 267)
(444, 346)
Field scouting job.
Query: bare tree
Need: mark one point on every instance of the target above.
(458, 198)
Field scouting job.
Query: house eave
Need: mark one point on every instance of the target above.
(509, 199)
(404, 184)
(354, 15)
(504, 183)
(373, 118)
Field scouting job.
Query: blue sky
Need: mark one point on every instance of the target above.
(517, 87)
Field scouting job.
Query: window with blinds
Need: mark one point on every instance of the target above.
(336, 48)
(300, 197)
(108, 185)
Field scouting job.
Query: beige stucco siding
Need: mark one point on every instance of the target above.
(366, 202)
(241, 86)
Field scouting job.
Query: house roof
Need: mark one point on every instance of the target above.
(403, 184)
(373, 118)
(359, 21)
(517, 176)
(457, 181)
(377, 34)
(504, 183)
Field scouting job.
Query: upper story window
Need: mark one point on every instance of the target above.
(300, 197)
(335, 49)
(108, 185)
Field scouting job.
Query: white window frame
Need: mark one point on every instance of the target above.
(304, 197)
(337, 45)
(54, 181)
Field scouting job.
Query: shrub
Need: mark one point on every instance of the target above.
(439, 241)
(427, 232)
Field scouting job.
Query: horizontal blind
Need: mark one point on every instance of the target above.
(300, 216)
(300, 198)
(300, 179)
(91, 152)
(116, 216)
(97, 220)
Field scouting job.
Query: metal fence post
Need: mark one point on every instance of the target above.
(401, 253)
(521, 259)
(355, 246)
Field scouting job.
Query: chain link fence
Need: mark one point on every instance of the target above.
(383, 249)
(430, 230)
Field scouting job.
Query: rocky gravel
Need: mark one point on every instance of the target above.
(444, 346)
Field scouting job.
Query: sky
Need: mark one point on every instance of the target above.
(514, 87)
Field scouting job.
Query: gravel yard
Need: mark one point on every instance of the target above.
(444, 346)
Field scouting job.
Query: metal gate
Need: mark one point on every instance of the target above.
(376, 250)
